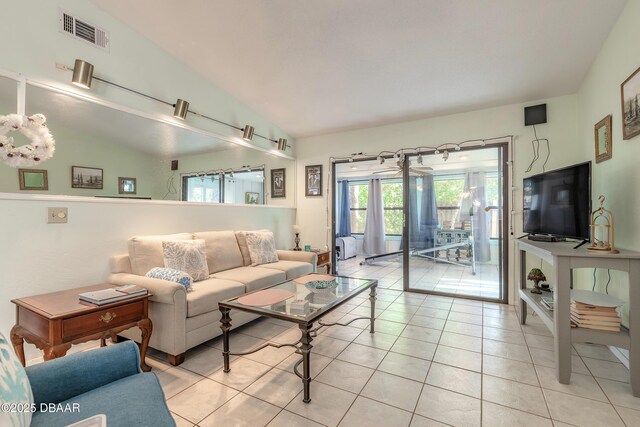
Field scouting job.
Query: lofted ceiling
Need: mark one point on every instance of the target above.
(314, 67)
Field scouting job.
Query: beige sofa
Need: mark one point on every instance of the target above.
(182, 320)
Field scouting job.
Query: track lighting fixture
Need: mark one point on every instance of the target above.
(83, 77)
(457, 148)
(419, 159)
(82, 74)
(445, 155)
(351, 159)
(437, 151)
(181, 108)
(247, 132)
(381, 159)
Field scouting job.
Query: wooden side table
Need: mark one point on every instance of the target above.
(53, 322)
(324, 260)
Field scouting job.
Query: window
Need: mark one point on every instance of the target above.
(392, 202)
(203, 188)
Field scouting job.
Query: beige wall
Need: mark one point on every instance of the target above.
(36, 257)
(617, 179)
(561, 130)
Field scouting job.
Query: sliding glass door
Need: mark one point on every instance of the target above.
(455, 236)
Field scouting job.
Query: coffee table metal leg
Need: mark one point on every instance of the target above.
(305, 350)
(372, 300)
(225, 325)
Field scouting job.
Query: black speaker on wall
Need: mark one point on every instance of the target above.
(535, 115)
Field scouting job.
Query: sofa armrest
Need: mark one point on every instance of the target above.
(163, 291)
(60, 379)
(302, 256)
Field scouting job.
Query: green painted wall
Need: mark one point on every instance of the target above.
(79, 149)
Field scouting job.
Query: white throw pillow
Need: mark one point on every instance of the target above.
(14, 388)
(262, 247)
(188, 256)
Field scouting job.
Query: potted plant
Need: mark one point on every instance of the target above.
(536, 276)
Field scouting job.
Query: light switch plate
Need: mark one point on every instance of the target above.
(57, 215)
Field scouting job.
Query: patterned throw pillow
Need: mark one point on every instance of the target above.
(171, 275)
(188, 256)
(14, 387)
(262, 247)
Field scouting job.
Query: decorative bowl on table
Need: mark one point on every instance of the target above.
(321, 286)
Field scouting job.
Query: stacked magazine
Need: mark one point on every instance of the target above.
(593, 310)
(111, 295)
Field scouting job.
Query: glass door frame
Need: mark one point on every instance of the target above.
(504, 219)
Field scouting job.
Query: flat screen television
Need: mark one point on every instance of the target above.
(558, 202)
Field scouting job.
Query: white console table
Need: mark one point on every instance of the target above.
(564, 259)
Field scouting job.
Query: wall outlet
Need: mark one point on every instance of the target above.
(57, 215)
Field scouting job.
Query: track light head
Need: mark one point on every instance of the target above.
(282, 144)
(351, 159)
(82, 74)
(419, 159)
(457, 148)
(381, 159)
(181, 108)
(437, 151)
(445, 155)
(247, 132)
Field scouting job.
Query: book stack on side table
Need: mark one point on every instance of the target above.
(595, 311)
(111, 295)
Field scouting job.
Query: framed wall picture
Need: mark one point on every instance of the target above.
(127, 185)
(602, 134)
(278, 184)
(630, 97)
(313, 180)
(33, 179)
(252, 198)
(84, 177)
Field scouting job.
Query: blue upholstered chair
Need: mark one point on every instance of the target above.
(106, 381)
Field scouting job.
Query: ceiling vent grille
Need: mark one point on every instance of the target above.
(82, 30)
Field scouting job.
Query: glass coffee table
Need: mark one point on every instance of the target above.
(319, 305)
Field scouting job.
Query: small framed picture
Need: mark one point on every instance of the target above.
(127, 185)
(630, 96)
(278, 184)
(33, 179)
(84, 177)
(602, 133)
(313, 180)
(251, 198)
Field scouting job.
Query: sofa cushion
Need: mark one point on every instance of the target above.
(206, 294)
(136, 400)
(253, 277)
(188, 256)
(262, 247)
(171, 275)
(14, 387)
(145, 252)
(292, 269)
(241, 236)
(223, 251)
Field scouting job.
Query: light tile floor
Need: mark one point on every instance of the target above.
(473, 365)
(428, 275)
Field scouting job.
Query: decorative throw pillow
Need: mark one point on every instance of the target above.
(14, 388)
(262, 247)
(188, 256)
(171, 275)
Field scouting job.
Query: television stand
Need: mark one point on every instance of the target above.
(580, 244)
(564, 259)
(545, 238)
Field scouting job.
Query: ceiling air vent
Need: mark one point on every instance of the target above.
(78, 28)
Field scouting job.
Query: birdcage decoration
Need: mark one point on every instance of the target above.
(602, 224)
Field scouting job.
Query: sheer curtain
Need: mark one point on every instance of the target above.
(428, 214)
(344, 210)
(472, 209)
(374, 236)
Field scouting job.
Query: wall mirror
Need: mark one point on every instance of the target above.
(135, 154)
